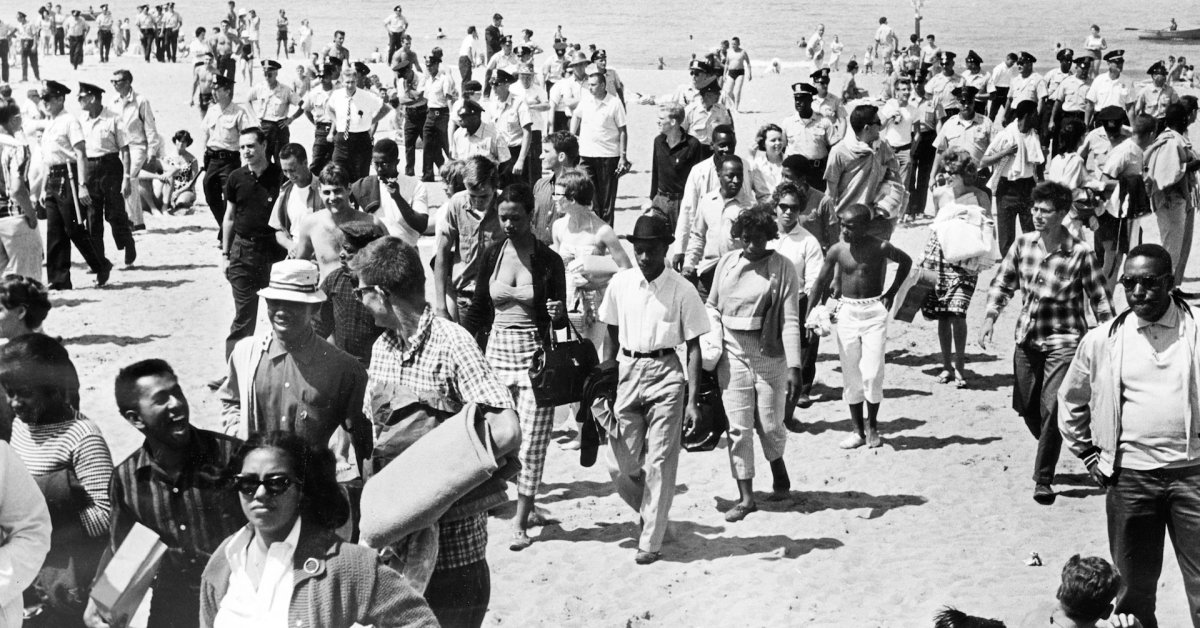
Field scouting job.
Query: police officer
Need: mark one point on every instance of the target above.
(64, 194)
(272, 101)
(355, 113)
(108, 171)
(222, 125)
(314, 105)
(104, 32)
(141, 129)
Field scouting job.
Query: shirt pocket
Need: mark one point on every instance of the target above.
(316, 407)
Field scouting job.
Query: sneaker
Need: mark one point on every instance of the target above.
(646, 558)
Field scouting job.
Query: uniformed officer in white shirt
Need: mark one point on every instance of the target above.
(108, 178)
(476, 137)
(808, 133)
(104, 32)
(222, 126)
(355, 113)
(440, 92)
(272, 102)
(314, 108)
(513, 125)
(1025, 85)
(1108, 90)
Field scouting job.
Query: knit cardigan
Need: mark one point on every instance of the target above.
(336, 585)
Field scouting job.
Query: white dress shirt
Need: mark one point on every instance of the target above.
(250, 560)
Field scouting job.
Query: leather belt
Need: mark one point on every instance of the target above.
(657, 353)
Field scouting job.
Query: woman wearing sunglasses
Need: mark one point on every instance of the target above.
(287, 567)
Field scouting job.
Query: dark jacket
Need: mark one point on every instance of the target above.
(549, 284)
(336, 584)
(365, 192)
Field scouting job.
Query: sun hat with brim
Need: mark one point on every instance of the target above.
(651, 225)
(294, 280)
(578, 58)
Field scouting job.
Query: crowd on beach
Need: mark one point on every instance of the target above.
(1074, 187)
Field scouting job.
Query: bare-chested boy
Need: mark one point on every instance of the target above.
(318, 236)
(860, 262)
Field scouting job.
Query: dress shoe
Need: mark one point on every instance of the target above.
(646, 558)
(59, 286)
(1043, 494)
(130, 253)
(102, 275)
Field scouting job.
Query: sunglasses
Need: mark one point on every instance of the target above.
(359, 292)
(276, 484)
(1147, 283)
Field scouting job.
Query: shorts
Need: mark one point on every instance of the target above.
(281, 36)
(733, 74)
(247, 51)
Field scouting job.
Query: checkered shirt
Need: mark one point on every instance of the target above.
(461, 542)
(1056, 288)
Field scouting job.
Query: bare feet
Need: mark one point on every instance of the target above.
(853, 441)
(873, 439)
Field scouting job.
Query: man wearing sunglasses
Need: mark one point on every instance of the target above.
(174, 485)
(1126, 411)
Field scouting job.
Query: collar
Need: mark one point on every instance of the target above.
(305, 353)
(292, 540)
(199, 451)
(1170, 319)
(131, 97)
(416, 342)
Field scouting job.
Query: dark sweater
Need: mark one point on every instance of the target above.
(549, 284)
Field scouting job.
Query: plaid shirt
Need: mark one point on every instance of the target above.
(1055, 286)
(440, 361)
(344, 316)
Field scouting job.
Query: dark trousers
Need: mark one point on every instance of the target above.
(76, 43)
(1038, 374)
(104, 186)
(148, 43)
(1140, 506)
(278, 136)
(999, 96)
(248, 272)
(217, 166)
(60, 37)
(465, 66)
(816, 174)
(603, 173)
(4, 60)
(160, 46)
(171, 35)
(669, 203)
(414, 124)
(1013, 205)
(533, 158)
(560, 121)
(505, 171)
(227, 66)
(29, 56)
(919, 171)
(322, 149)
(810, 346)
(395, 41)
(437, 141)
(106, 39)
(63, 229)
(353, 153)
(459, 597)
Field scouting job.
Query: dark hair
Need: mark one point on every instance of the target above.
(452, 173)
(851, 65)
(1152, 251)
(565, 143)
(787, 188)
(1071, 134)
(394, 265)
(957, 160)
(339, 32)
(200, 31)
(727, 158)
(1088, 587)
(335, 175)
(471, 30)
(756, 222)
(953, 618)
(1011, 55)
(182, 136)
(388, 148)
(294, 151)
(760, 138)
(1058, 194)
(479, 170)
(519, 193)
(321, 500)
(125, 388)
(259, 136)
(37, 360)
(8, 112)
(800, 165)
(18, 290)
(1176, 117)
(862, 116)
(577, 186)
(359, 234)
(724, 129)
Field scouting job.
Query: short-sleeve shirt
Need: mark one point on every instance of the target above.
(1024, 88)
(272, 104)
(224, 126)
(600, 122)
(699, 123)
(511, 116)
(972, 135)
(315, 101)
(1107, 92)
(485, 141)
(254, 197)
(59, 139)
(1154, 101)
(653, 315)
(353, 114)
(810, 138)
(470, 233)
(1072, 93)
(103, 134)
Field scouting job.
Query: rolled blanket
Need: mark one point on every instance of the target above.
(413, 491)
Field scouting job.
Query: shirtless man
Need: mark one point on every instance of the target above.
(335, 49)
(318, 236)
(737, 66)
(860, 262)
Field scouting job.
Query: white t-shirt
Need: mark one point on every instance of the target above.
(390, 214)
(600, 122)
(297, 207)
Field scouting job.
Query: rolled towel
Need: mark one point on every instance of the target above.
(413, 491)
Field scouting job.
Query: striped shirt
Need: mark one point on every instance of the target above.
(73, 444)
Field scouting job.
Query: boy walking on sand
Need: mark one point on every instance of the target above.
(861, 262)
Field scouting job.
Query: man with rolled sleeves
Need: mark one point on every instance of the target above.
(272, 102)
(650, 311)
(65, 194)
(1108, 90)
(222, 126)
(248, 240)
(1154, 98)
(108, 171)
(701, 71)
(355, 113)
(510, 114)
(809, 134)
(314, 108)
(940, 88)
(1026, 85)
(395, 24)
(141, 129)
(104, 32)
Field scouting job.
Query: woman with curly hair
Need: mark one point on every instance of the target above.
(756, 293)
(287, 566)
(949, 301)
(771, 145)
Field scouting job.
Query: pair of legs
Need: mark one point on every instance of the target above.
(952, 335)
(861, 335)
(603, 173)
(248, 272)
(1169, 226)
(1013, 205)
(1038, 374)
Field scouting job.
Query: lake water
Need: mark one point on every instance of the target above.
(636, 32)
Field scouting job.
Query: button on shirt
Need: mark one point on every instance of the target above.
(1024, 88)
(102, 134)
(224, 126)
(352, 113)
(567, 91)
(441, 90)
(700, 122)
(272, 104)
(1155, 380)
(59, 139)
(938, 89)
(972, 135)
(653, 315)
(1072, 93)
(600, 124)
(810, 137)
(137, 119)
(803, 250)
(1107, 91)
(261, 580)
(511, 117)
(1053, 79)
(1153, 101)
(253, 196)
(470, 232)
(314, 103)
(711, 229)
(484, 141)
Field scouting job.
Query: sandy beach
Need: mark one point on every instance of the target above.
(940, 515)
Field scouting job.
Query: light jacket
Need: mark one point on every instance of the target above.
(1089, 401)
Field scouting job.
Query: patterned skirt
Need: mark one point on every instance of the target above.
(510, 353)
(955, 285)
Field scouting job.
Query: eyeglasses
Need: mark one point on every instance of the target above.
(359, 292)
(276, 484)
(788, 207)
(1147, 283)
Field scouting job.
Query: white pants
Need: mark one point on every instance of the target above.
(754, 393)
(1171, 226)
(133, 200)
(20, 248)
(861, 334)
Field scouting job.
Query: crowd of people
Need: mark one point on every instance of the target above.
(1075, 189)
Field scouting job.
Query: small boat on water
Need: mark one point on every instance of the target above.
(1190, 34)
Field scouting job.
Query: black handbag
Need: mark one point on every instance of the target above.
(713, 423)
(560, 369)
